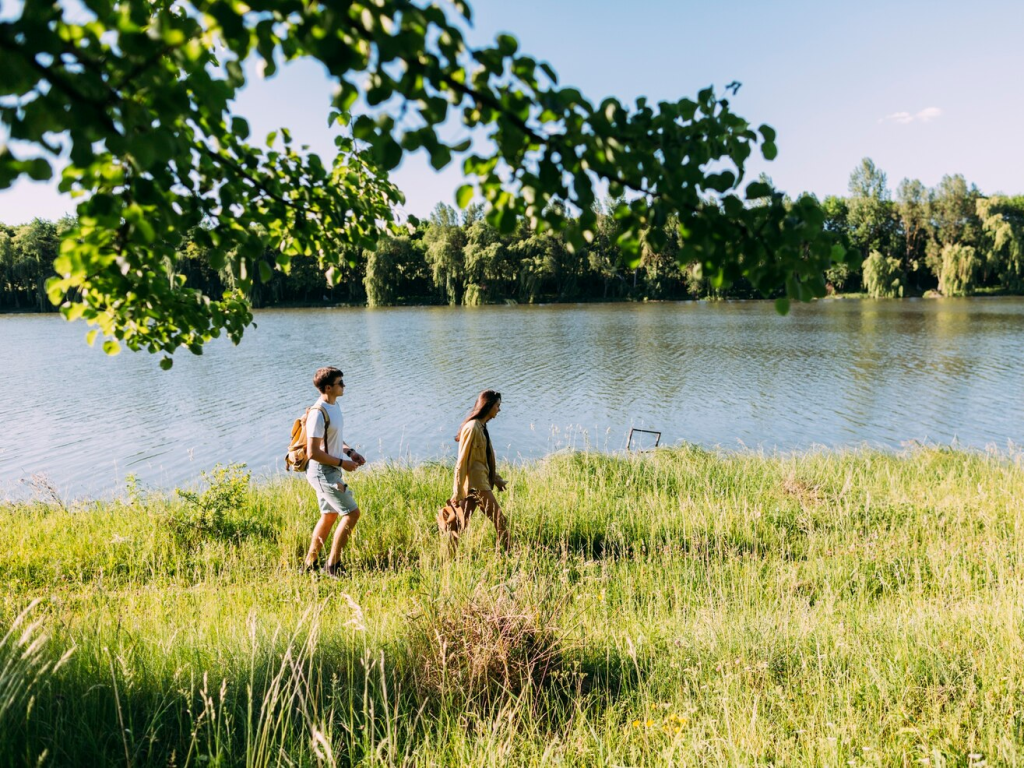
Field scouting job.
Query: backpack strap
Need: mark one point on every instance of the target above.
(327, 422)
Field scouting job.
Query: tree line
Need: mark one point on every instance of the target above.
(950, 239)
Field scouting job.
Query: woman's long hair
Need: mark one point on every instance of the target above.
(484, 403)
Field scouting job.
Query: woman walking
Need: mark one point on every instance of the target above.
(476, 474)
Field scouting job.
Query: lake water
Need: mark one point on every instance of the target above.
(729, 374)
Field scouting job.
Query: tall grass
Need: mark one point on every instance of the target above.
(680, 607)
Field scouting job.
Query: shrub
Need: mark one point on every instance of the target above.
(482, 647)
(883, 278)
(221, 512)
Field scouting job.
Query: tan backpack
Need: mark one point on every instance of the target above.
(296, 459)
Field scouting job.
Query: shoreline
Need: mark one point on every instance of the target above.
(46, 494)
(927, 295)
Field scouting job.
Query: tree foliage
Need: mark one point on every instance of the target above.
(959, 272)
(139, 96)
(883, 278)
(1002, 220)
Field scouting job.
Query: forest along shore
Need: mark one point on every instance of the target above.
(951, 239)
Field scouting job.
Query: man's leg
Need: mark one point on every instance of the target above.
(490, 507)
(320, 534)
(348, 523)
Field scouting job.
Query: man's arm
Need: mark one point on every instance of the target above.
(315, 451)
(352, 453)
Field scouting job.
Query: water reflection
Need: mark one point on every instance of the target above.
(834, 373)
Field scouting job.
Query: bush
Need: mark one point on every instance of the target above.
(483, 647)
(221, 512)
(883, 278)
(959, 270)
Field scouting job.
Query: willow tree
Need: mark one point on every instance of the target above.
(1002, 221)
(139, 96)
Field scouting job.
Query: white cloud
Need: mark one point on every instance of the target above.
(926, 115)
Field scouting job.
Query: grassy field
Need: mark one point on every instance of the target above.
(679, 608)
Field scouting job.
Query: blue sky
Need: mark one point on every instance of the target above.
(923, 88)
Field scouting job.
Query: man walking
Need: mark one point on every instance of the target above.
(328, 455)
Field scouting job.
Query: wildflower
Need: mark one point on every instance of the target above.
(636, 723)
(650, 723)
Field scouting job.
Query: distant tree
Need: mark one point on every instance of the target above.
(8, 290)
(536, 263)
(1002, 222)
(959, 271)
(837, 221)
(604, 258)
(883, 276)
(954, 219)
(38, 244)
(837, 214)
(491, 271)
(913, 205)
(659, 262)
(870, 209)
(392, 267)
(446, 241)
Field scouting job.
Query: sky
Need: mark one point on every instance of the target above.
(923, 88)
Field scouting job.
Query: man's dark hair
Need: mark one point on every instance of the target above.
(325, 377)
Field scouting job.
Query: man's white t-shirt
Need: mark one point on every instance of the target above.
(315, 427)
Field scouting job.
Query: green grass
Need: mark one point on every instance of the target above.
(681, 607)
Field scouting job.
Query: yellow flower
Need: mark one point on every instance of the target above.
(650, 723)
(636, 723)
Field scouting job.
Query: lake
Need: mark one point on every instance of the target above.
(731, 374)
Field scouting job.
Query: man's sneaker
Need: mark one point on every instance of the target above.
(335, 571)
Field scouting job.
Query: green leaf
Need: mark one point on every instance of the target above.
(111, 347)
(463, 195)
(266, 273)
(782, 305)
(38, 169)
(166, 363)
(390, 153)
(507, 45)
(769, 150)
(440, 156)
(757, 190)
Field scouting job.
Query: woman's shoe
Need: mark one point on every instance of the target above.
(335, 571)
